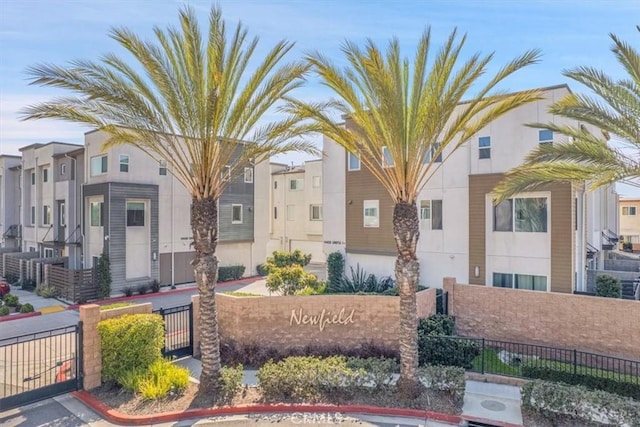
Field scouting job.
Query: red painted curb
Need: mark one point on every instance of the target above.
(170, 292)
(19, 316)
(117, 417)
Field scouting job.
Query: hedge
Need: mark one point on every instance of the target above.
(597, 379)
(130, 343)
(437, 344)
(554, 400)
(231, 272)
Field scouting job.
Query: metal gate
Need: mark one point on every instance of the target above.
(40, 365)
(178, 330)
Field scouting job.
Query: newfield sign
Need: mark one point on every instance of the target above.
(321, 319)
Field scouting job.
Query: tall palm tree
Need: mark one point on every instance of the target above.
(193, 102)
(614, 108)
(416, 112)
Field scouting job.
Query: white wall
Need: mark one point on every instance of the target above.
(138, 245)
(333, 197)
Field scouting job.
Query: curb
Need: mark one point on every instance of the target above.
(19, 316)
(117, 417)
(169, 292)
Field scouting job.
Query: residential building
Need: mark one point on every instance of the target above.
(536, 240)
(139, 213)
(10, 229)
(630, 222)
(50, 225)
(296, 209)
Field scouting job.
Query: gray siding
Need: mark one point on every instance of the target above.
(240, 193)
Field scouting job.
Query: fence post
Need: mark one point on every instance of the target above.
(575, 362)
(482, 358)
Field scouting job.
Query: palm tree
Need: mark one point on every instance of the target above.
(614, 109)
(417, 114)
(191, 101)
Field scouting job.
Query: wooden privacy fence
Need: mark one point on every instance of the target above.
(12, 265)
(72, 285)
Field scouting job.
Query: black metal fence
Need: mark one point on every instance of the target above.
(40, 365)
(442, 302)
(537, 361)
(178, 330)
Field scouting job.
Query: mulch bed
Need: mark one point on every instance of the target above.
(130, 404)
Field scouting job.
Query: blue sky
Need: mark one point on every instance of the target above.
(569, 33)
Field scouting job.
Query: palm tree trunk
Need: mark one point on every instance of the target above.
(204, 224)
(406, 231)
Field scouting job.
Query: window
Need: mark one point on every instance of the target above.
(96, 214)
(162, 167)
(354, 162)
(317, 181)
(33, 215)
(629, 210)
(503, 216)
(236, 214)
(63, 169)
(226, 173)
(45, 175)
(630, 238)
(371, 213)
(248, 175)
(484, 145)
(545, 136)
(275, 212)
(315, 212)
(33, 178)
(425, 210)
(135, 214)
(275, 185)
(291, 212)
(98, 165)
(431, 152)
(436, 214)
(531, 215)
(527, 215)
(48, 253)
(124, 163)
(46, 215)
(296, 184)
(387, 159)
(520, 281)
(61, 215)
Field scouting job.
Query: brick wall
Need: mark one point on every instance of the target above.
(599, 325)
(348, 321)
(91, 315)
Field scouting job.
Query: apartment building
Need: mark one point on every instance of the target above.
(296, 209)
(9, 206)
(630, 221)
(138, 213)
(537, 240)
(50, 225)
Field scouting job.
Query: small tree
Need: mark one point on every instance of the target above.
(608, 286)
(284, 259)
(335, 270)
(103, 276)
(290, 280)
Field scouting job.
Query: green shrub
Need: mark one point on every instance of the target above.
(241, 294)
(304, 379)
(449, 379)
(154, 285)
(128, 291)
(162, 378)
(27, 308)
(130, 342)
(608, 286)
(142, 289)
(18, 307)
(28, 285)
(286, 259)
(46, 291)
(115, 305)
(230, 382)
(262, 270)
(12, 279)
(376, 372)
(437, 344)
(230, 272)
(553, 400)
(4, 310)
(130, 380)
(361, 282)
(318, 289)
(11, 300)
(103, 276)
(597, 379)
(627, 246)
(290, 280)
(335, 271)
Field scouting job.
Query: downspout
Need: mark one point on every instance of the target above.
(173, 253)
(36, 216)
(75, 201)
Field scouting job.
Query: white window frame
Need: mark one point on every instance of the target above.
(291, 212)
(144, 212)
(61, 215)
(296, 184)
(387, 159)
(484, 148)
(45, 174)
(627, 211)
(162, 167)
(33, 215)
(371, 221)
(545, 141)
(33, 178)
(233, 209)
(316, 181)
(514, 222)
(356, 158)
(226, 173)
(124, 161)
(319, 211)
(48, 253)
(104, 165)
(63, 168)
(100, 207)
(46, 215)
(248, 175)
(514, 280)
(431, 152)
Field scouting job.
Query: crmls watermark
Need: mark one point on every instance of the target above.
(317, 418)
